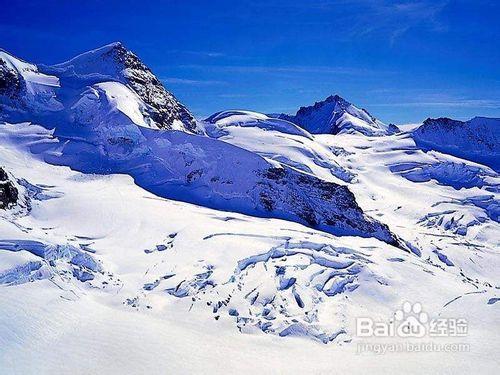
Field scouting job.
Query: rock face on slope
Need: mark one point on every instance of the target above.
(8, 192)
(10, 84)
(477, 139)
(336, 115)
(319, 204)
(41, 90)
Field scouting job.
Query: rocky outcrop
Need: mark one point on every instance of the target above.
(10, 85)
(165, 108)
(8, 191)
(318, 204)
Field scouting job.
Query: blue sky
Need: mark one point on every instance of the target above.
(402, 60)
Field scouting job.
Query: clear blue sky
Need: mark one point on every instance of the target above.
(401, 60)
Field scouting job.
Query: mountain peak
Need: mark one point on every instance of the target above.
(107, 47)
(24, 85)
(109, 59)
(114, 62)
(116, 44)
(336, 99)
(336, 115)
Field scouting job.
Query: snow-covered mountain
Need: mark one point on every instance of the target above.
(477, 139)
(336, 115)
(136, 239)
(110, 74)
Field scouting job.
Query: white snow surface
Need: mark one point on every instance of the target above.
(279, 141)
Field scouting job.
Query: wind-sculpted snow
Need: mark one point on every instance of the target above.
(336, 115)
(225, 119)
(456, 174)
(459, 214)
(477, 139)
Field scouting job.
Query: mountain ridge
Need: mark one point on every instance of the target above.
(477, 139)
(252, 227)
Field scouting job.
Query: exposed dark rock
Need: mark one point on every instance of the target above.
(319, 204)
(165, 108)
(8, 192)
(194, 175)
(10, 84)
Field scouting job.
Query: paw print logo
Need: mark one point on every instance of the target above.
(411, 320)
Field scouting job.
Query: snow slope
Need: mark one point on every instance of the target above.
(105, 127)
(279, 141)
(208, 172)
